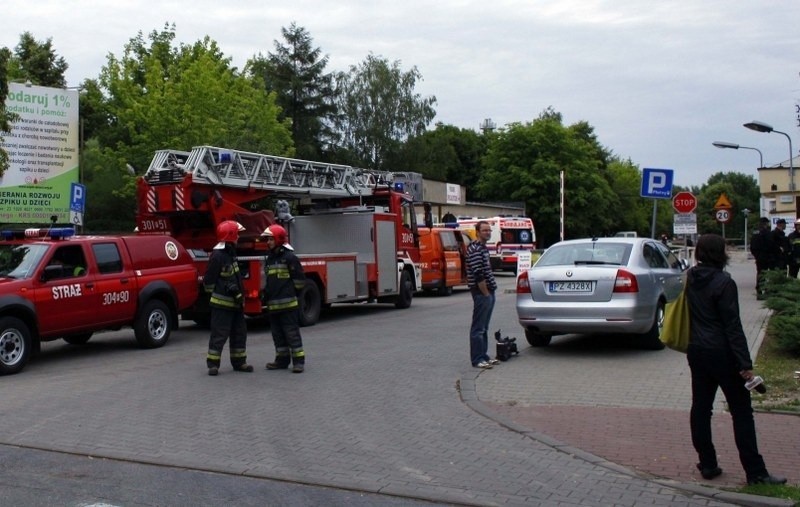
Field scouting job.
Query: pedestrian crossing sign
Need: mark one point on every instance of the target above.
(722, 202)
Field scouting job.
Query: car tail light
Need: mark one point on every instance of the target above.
(625, 282)
(523, 284)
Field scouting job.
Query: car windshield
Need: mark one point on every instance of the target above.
(20, 261)
(573, 254)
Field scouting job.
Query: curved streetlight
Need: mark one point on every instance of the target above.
(734, 146)
(760, 126)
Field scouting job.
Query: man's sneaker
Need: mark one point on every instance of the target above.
(298, 368)
(213, 371)
(484, 364)
(493, 361)
(766, 479)
(277, 366)
(247, 368)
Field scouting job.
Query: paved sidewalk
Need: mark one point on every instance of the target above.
(644, 426)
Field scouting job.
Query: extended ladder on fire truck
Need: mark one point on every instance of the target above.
(241, 169)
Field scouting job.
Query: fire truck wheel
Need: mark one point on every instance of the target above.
(310, 304)
(403, 299)
(152, 326)
(78, 339)
(15, 345)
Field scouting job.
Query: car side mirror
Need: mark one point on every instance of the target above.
(52, 272)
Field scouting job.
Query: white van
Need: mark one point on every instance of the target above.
(626, 234)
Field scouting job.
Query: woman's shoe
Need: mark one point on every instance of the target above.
(766, 479)
(709, 473)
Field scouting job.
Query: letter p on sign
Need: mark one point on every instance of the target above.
(657, 183)
(77, 201)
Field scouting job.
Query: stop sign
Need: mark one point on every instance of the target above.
(684, 202)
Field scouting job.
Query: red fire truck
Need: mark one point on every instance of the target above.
(353, 230)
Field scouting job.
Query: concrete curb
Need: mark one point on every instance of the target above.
(469, 397)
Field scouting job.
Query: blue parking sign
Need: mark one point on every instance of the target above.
(657, 183)
(77, 199)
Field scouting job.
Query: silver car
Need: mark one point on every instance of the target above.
(599, 285)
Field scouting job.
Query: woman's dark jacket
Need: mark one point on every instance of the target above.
(714, 315)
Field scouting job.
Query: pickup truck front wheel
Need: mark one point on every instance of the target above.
(15, 345)
(152, 326)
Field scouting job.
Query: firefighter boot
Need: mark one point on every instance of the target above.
(212, 362)
(281, 362)
(239, 361)
(298, 361)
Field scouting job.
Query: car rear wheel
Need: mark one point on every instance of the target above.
(651, 340)
(152, 327)
(537, 339)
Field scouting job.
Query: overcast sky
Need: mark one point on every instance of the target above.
(659, 81)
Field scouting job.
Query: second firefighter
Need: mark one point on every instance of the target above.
(284, 281)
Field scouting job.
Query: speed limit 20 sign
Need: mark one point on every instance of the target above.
(723, 215)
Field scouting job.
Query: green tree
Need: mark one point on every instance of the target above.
(110, 207)
(158, 96)
(296, 73)
(6, 117)
(743, 193)
(447, 153)
(625, 180)
(37, 62)
(378, 109)
(524, 163)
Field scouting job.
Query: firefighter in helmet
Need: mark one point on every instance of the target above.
(224, 283)
(285, 279)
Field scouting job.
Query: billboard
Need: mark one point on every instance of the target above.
(43, 153)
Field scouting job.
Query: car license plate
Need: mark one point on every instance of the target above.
(581, 287)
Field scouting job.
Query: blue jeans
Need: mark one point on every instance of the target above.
(479, 331)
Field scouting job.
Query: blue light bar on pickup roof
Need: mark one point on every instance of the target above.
(53, 233)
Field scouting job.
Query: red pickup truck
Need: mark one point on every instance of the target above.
(55, 285)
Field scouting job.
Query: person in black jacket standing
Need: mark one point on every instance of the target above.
(765, 251)
(719, 357)
(285, 280)
(223, 282)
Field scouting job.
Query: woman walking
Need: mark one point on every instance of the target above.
(719, 357)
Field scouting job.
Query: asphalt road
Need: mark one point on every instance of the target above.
(378, 412)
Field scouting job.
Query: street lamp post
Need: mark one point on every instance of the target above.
(734, 146)
(759, 126)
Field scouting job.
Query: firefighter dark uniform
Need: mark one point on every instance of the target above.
(794, 250)
(284, 281)
(224, 284)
